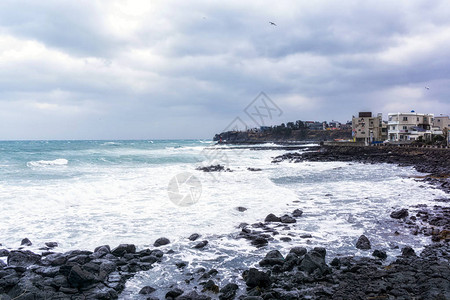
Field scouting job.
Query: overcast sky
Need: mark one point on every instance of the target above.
(119, 69)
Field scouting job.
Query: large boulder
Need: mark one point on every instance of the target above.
(287, 219)
(161, 242)
(363, 243)
(255, 278)
(272, 218)
(399, 214)
(79, 277)
(19, 258)
(122, 249)
(272, 258)
(314, 262)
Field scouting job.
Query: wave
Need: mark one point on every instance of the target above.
(42, 163)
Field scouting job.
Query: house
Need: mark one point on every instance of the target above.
(441, 122)
(366, 128)
(315, 125)
(409, 126)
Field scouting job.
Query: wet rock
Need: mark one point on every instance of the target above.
(51, 244)
(161, 242)
(336, 262)
(19, 258)
(272, 258)
(272, 218)
(255, 278)
(259, 241)
(241, 209)
(408, 252)
(79, 277)
(399, 214)
(123, 249)
(380, 254)
(285, 239)
(322, 251)
(146, 290)
(300, 251)
(297, 213)
(174, 293)
(200, 245)
(306, 236)
(102, 250)
(214, 168)
(26, 242)
(287, 219)
(210, 286)
(314, 262)
(228, 292)
(193, 296)
(363, 243)
(4, 252)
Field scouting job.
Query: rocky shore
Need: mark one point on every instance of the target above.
(300, 273)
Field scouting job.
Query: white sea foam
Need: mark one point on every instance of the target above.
(43, 163)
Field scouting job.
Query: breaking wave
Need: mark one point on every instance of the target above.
(42, 163)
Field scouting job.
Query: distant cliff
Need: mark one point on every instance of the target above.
(279, 136)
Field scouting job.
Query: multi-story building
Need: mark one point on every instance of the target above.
(441, 122)
(409, 126)
(366, 128)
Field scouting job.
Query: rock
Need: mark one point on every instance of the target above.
(259, 241)
(300, 251)
(314, 262)
(193, 296)
(272, 258)
(255, 278)
(285, 239)
(103, 250)
(26, 242)
(146, 290)
(380, 254)
(4, 252)
(322, 251)
(297, 213)
(306, 236)
(2, 265)
(174, 293)
(149, 259)
(228, 292)
(80, 278)
(363, 243)
(161, 242)
(408, 251)
(336, 262)
(272, 218)
(210, 286)
(123, 249)
(51, 244)
(19, 258)
(241, 209)
(214, 168)
(200, 245)
(287, 219)
(194, 236)
(398, 214)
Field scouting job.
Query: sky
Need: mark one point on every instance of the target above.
(152, 69)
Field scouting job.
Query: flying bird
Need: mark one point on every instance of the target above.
(427, 87)
(272, 23)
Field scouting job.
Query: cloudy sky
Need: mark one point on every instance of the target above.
(118, 69)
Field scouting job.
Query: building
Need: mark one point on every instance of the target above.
(315, 125)
(441, 122)
(334, 125)
(366, 128)
(409, 126)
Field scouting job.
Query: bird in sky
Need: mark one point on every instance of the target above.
(427, 87)
(272, 23)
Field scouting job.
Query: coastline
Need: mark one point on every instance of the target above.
(301, 273)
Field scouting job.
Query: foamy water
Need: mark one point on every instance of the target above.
(84, 194)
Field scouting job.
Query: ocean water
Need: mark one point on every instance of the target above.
(83, 194)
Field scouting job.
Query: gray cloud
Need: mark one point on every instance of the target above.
(174, 69)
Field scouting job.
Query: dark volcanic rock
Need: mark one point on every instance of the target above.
(408, 251)
(21, 258)
(161, 242)
(146, 290)
(4, 252)
(287, 219)
(272, 258)
(363, 243)
(297, 213)
(26, 242)
(200, 245)
(314, 262)
(194, 236)
(51, 244)
(255, 278)
(300, 251)
(228, 291)
(123, 249)
(272, 218)
(174, 293)
(241, 209)
(398, 214)
(380, 254)
(79, 277)
(214, 168)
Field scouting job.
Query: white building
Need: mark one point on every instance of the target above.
(367, 128)
(409, 126)
(441, 122)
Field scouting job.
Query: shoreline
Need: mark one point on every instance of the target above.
(102, 274)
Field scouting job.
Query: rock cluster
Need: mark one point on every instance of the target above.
(72, 275)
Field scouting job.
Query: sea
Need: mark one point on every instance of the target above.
(83, 194)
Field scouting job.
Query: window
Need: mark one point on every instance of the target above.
(390, 118)
(417, 119)
(404, 127)
(405, 118)
(393, 127)
(425, 119)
